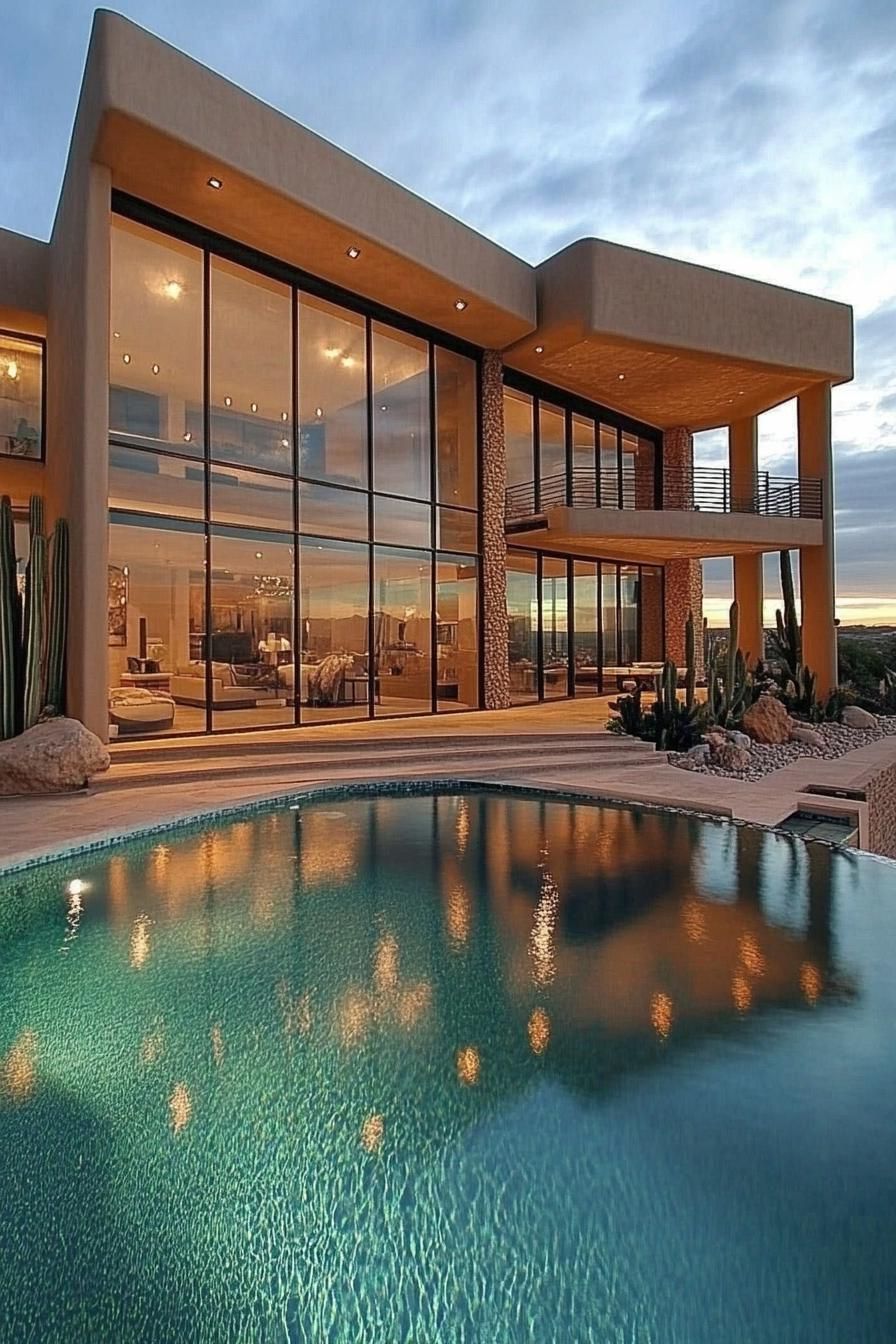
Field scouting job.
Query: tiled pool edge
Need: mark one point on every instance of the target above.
(367, 788)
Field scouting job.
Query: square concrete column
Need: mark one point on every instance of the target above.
(496, 670)
(817, 562)
(743, 463)
(683, 577)
(78, 426)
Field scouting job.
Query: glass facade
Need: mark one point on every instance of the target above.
(582, 457)
(293, 492)
(21, 396)
(575, 626)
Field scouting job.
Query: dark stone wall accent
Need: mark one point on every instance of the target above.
(494, 546)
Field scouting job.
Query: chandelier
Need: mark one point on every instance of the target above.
(272, 585)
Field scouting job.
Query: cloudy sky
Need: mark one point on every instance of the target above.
(758, 137)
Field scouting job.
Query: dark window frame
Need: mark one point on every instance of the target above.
(41, 341)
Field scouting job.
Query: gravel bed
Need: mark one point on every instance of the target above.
(838, 741)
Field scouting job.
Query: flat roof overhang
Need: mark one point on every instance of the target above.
(672, 343)
(653, 536)
(164, 124)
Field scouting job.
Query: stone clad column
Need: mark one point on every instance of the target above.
(683, 577)
(496, 690)
(743, 462)
(817, 562)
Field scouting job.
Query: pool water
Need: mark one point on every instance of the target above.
(476, 1067)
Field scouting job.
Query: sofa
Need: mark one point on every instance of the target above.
(233, 687)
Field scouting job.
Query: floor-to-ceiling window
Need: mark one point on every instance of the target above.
(574, 626)
(293, 486)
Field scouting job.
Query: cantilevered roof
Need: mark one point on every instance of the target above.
(677, 344)
(665, 341)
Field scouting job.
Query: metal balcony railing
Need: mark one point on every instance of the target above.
(689, 490)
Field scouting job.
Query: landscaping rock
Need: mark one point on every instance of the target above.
(700, 753)
(52, 757)
(810, 737)
(768, 721)
(731, 757)
(739, 739)
(856, 717)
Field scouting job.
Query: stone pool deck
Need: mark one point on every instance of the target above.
(562, 747)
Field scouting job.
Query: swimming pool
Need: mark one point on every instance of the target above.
(456, 1067)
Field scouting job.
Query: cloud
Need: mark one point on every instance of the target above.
(759, 138)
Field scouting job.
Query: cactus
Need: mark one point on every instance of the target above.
(729, 683)
(675, 724)
(33, 633)
(796, 684)
(57, 623)
(10, 628)
(35, 629)
(690, 661)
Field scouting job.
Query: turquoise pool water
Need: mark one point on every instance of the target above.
(473, 1067)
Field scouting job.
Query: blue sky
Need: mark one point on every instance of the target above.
(759, 137)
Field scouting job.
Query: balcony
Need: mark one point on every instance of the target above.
(698, 490)
(696, 513)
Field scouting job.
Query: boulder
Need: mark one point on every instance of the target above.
(731, 757)
(856, 717)
(810, 737)
(52, 757)
(739, 739)
(768, 721)
(700, 753)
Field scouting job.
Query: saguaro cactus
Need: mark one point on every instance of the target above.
(10, 628)
(33, 633)
(730, 682)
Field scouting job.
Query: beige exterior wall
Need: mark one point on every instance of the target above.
(77, 424)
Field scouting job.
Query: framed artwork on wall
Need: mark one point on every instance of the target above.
(118, 606)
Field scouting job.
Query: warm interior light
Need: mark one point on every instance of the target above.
(215, 183)
(188, 436)
(353, 252)
(253, 406)
(622, 377)
(284, 443)
(284, 416)
(318, 411)
(12, 370)
(347, 362)
(228, 401)
(331, 352)
(539, 349)
(173, 289)
(258, 555)
(116, 334)
(126, 359)
(155, 368)
(460, 304)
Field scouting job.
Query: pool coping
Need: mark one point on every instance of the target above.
(386, 788)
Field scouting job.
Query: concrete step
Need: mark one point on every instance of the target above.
(408, 764)
(299, 745)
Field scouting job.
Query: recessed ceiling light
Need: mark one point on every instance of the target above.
(460, 304)
(740, 394)
(173, 289)
(284, 443)
(353, 252)
(318, 411)
(126, 359)
(215, 183)
(348, 362)
(258, 555)
(188, 436)
(116, 334)
(384, 408)
(284, 416)
(253, 406)
(155, 368)
(622, 377)
(331, 351)
(228, 401)
(539, 349)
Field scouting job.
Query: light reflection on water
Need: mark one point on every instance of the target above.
(454, 1068)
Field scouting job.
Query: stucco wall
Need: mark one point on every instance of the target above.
(880, 792)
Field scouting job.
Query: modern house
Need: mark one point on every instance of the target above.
(328, 453)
